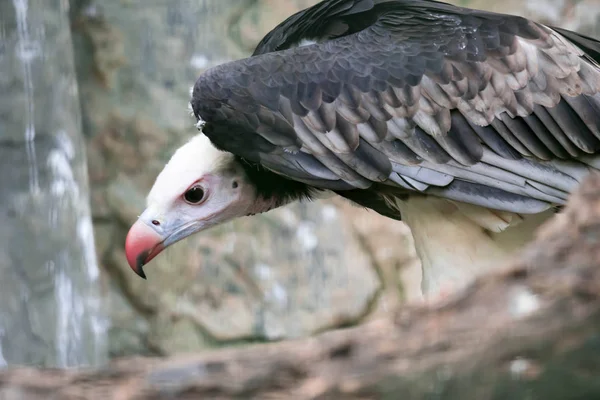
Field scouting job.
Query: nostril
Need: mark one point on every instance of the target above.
(155, 222)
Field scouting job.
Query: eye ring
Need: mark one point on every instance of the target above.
(194, 195)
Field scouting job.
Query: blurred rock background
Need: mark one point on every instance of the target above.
(288, 273)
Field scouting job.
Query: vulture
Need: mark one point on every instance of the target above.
(472, 127)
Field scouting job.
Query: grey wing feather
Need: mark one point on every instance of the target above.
(485, 196)
(423, 174)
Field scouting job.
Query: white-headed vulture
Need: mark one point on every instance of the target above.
(472, 127)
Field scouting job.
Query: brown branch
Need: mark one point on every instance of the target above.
(531, 331)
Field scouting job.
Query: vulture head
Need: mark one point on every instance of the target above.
(199, 187)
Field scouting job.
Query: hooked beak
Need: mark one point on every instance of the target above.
(145, 240)
(141, 245)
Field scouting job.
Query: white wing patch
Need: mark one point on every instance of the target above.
(306, 42)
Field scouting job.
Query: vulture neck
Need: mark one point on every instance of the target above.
(273, 190)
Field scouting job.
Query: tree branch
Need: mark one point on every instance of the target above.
(530, 331)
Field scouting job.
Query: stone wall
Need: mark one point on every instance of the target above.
(291, 272)
(50, 311)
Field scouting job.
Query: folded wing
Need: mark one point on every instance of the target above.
(413, 97)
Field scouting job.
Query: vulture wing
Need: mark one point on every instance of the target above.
(413, 97)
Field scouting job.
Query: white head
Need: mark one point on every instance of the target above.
(199, 187)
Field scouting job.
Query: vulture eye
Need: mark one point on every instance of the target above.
(194, 195)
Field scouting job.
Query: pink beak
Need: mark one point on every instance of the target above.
(141, 245)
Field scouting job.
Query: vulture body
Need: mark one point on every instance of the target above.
(472, 127)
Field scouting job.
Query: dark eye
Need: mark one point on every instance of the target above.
(194, 195)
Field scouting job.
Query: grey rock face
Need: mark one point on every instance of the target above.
(49, 287)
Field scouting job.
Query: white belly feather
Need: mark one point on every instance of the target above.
(456, 242)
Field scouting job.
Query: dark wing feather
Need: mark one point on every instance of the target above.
(323, 21)
(482, 103)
